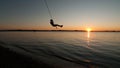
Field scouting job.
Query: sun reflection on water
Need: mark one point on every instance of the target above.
(88, 34)
(88, 38)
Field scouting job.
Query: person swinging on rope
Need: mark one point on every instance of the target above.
(55, 25)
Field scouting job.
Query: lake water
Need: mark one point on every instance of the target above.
(67, 49)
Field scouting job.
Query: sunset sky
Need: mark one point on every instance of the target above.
(73, 14)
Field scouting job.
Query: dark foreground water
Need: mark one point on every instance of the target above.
(66, 49)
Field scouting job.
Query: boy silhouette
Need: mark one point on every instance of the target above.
(55, 25)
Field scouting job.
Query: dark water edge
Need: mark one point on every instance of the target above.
(12, 59)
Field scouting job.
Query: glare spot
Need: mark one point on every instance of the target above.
(89, 29)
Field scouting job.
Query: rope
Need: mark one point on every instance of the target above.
(48, 9)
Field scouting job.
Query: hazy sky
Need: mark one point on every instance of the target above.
(73, 14)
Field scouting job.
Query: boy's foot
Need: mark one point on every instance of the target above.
(61, 26)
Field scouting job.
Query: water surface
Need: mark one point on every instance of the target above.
(67, 49)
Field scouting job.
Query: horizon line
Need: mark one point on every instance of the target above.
(58, 30)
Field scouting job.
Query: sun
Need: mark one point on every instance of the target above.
(88, 29)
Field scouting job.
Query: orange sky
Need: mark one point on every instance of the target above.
(53, 28)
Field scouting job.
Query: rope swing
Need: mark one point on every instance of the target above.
(49, 12)
(51, 20)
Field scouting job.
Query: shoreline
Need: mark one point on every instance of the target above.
(55, 31)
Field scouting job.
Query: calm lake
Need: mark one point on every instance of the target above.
(67, 49)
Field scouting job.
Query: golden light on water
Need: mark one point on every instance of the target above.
(88, 32)
(88, 35)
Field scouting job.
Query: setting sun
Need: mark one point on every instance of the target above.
(89, 29)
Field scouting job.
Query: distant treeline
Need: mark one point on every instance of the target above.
(56, 31)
